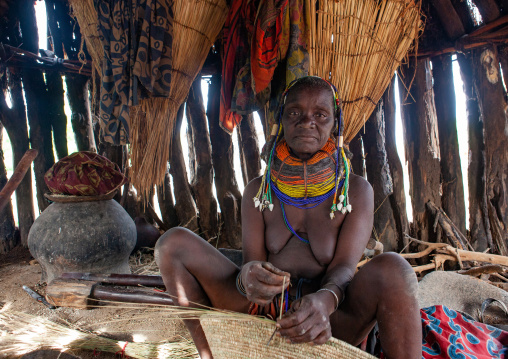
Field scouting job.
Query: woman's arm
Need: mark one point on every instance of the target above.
(261, 280)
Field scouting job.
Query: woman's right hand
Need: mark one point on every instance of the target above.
(262, 281)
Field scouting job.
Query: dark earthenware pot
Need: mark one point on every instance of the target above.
(83, 236)
(147, 234)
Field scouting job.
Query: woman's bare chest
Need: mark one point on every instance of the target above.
(308, 234)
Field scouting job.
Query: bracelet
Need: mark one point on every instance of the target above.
(334, 295)
(239, 284)
(343, 295)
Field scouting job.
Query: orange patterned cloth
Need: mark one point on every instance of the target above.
(84, 174)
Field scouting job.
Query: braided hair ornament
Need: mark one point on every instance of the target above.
(302, 195)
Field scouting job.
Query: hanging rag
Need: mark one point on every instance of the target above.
(256, 72)
(237, 33)
(137, 38)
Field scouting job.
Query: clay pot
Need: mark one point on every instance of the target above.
(86, 236)
(147, 234)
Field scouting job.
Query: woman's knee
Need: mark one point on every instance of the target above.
(173, 243)
(391, 272)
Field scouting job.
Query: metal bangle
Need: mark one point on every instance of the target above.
(342, 291)
(239, 284)
(334, 295)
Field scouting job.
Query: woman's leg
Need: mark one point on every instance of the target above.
(195, 273)
(384, 290)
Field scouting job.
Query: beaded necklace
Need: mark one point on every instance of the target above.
(283, 173)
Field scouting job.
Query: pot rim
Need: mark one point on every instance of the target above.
(64, 198)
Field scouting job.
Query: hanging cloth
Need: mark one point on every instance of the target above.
(137, 38)
(280, 36)
(237, 32)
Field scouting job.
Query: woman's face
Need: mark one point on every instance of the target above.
(308, 120)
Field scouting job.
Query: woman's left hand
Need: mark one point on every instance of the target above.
(308, 320)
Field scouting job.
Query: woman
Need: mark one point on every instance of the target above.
(290, 236)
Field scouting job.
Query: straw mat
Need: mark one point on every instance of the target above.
(242, 338)
(358, 45)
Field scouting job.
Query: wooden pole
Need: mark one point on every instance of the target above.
(464, 14)
(166, 203)
(81, 119)
(14, 121)
(203, 180)
(398, 197)
(18, 174)
(449, 18)
(479, 226)
(66, 39)
(422, 147)
(503, 59)
(56, 113)
(489, 90)
(36, 96)
(488, 9)
(249, 149)
(8, 235)
(185, 206)
(358, 161)
(451, 173)
(378, 174)
(228, 195)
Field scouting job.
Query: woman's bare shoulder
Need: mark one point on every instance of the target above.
(252, 187)
(360, 191)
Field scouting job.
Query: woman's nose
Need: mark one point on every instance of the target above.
(307, 119)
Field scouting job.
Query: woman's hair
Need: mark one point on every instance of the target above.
(312, 83)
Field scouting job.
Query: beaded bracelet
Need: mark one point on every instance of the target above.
(334, 295)
(239, 284)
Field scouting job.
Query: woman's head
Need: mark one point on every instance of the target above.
(309, 115)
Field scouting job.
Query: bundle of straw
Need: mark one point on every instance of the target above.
(21, 333)
(358, 45)
(86, 15)
(196, 25)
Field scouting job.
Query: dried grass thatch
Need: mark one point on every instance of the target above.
(22, 333)
(196, 25)
(86, 15)
(358, 45)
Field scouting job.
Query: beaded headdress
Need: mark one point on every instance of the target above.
(289, 195)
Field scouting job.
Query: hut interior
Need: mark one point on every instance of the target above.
(442, 208)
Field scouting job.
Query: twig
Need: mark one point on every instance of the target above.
(487, 269)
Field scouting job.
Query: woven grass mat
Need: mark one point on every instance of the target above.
(246, 339)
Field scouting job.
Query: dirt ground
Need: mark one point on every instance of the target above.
(17, 268)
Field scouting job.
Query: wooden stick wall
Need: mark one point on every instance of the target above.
(429, 121)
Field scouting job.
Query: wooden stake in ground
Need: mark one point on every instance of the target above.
(16, 178)
(422, 148)
(8, 235)
(492, 103)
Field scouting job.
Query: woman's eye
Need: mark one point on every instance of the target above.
(322, 115)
